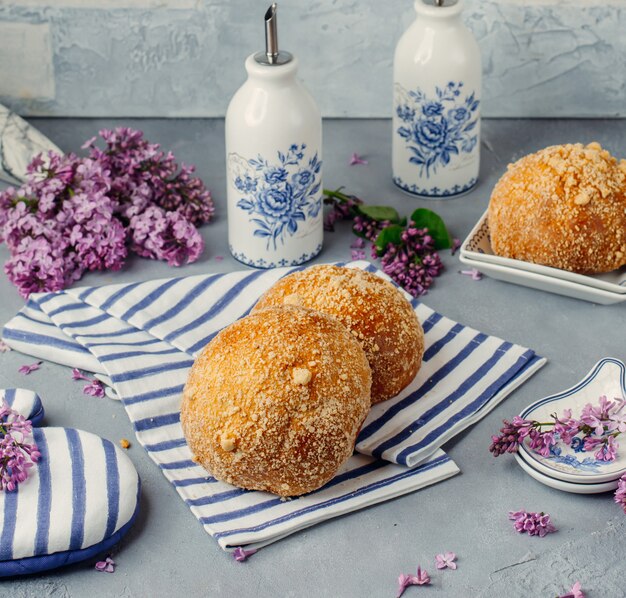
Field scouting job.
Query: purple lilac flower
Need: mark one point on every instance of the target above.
(607, 450)
(357, 254)
(446, 560)
(473, 273)
(356, 159)
(566, 426)
(575, 592)
(620, 493)
(342, 208)
(28, 369)
(77, 375)
(240, 554)
(141, 171)
(511, 436)
(17, 455)
(368, 228)
(404, 581)
(166, 236)
(533, 524)
(542, 442)
(94, 388)
(414, 263)
(73, 214)
(596, 416)
(106, 566)
(617, 421)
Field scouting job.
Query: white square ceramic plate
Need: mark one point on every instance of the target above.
(476, 252)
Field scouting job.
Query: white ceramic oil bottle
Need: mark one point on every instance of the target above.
(273, 162)
(436, 113)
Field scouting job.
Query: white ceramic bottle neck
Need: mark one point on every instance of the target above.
(279, 74)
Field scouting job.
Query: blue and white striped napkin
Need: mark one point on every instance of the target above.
(141, 338)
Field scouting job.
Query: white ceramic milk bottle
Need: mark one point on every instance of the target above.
(436, 113)
(273, 162)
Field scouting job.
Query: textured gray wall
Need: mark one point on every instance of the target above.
(185, 57)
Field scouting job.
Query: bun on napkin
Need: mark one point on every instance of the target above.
(565, 207)
(275, 401)
(372, 309)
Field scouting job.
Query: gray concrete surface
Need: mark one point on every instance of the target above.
(167, 553)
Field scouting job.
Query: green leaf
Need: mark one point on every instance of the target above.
(391, 234)
(424, 218)
(379, 213)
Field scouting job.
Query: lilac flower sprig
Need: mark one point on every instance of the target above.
(407, 249)
(599, 426)
(596, 429)
(77, 214)
(17, 455)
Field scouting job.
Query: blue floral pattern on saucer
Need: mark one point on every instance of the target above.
(278, 196)
(437, 128)
(586, 464)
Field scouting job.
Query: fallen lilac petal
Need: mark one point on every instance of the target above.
(356, 159)
(456, 245)
(4, 347)
(357, 254)
(106, 566)
(77, 375)
(240, 555)
(575, 592)
(358, 243)
(94, 388)
(403, 584)
(404, 581)
(27, 369)
(219, 258)
(445, 560)
(422, 578)
(475, 274)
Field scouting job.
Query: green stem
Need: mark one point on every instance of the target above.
(337, 194)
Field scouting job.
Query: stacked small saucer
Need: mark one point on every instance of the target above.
(569, 467)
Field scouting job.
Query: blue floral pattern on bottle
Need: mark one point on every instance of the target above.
(278, 196)
(435, 129)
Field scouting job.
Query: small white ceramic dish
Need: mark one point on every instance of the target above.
(476, 252)
(565, 486)
(570, 463)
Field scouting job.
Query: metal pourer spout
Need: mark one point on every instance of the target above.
(271, 34)
(438, 2)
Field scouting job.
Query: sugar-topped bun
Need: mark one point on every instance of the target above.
(372, 309)
(565, 207)
(275, 401)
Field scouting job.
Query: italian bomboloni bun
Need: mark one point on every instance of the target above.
(565, 207)
(275, 401)
(373, 310)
